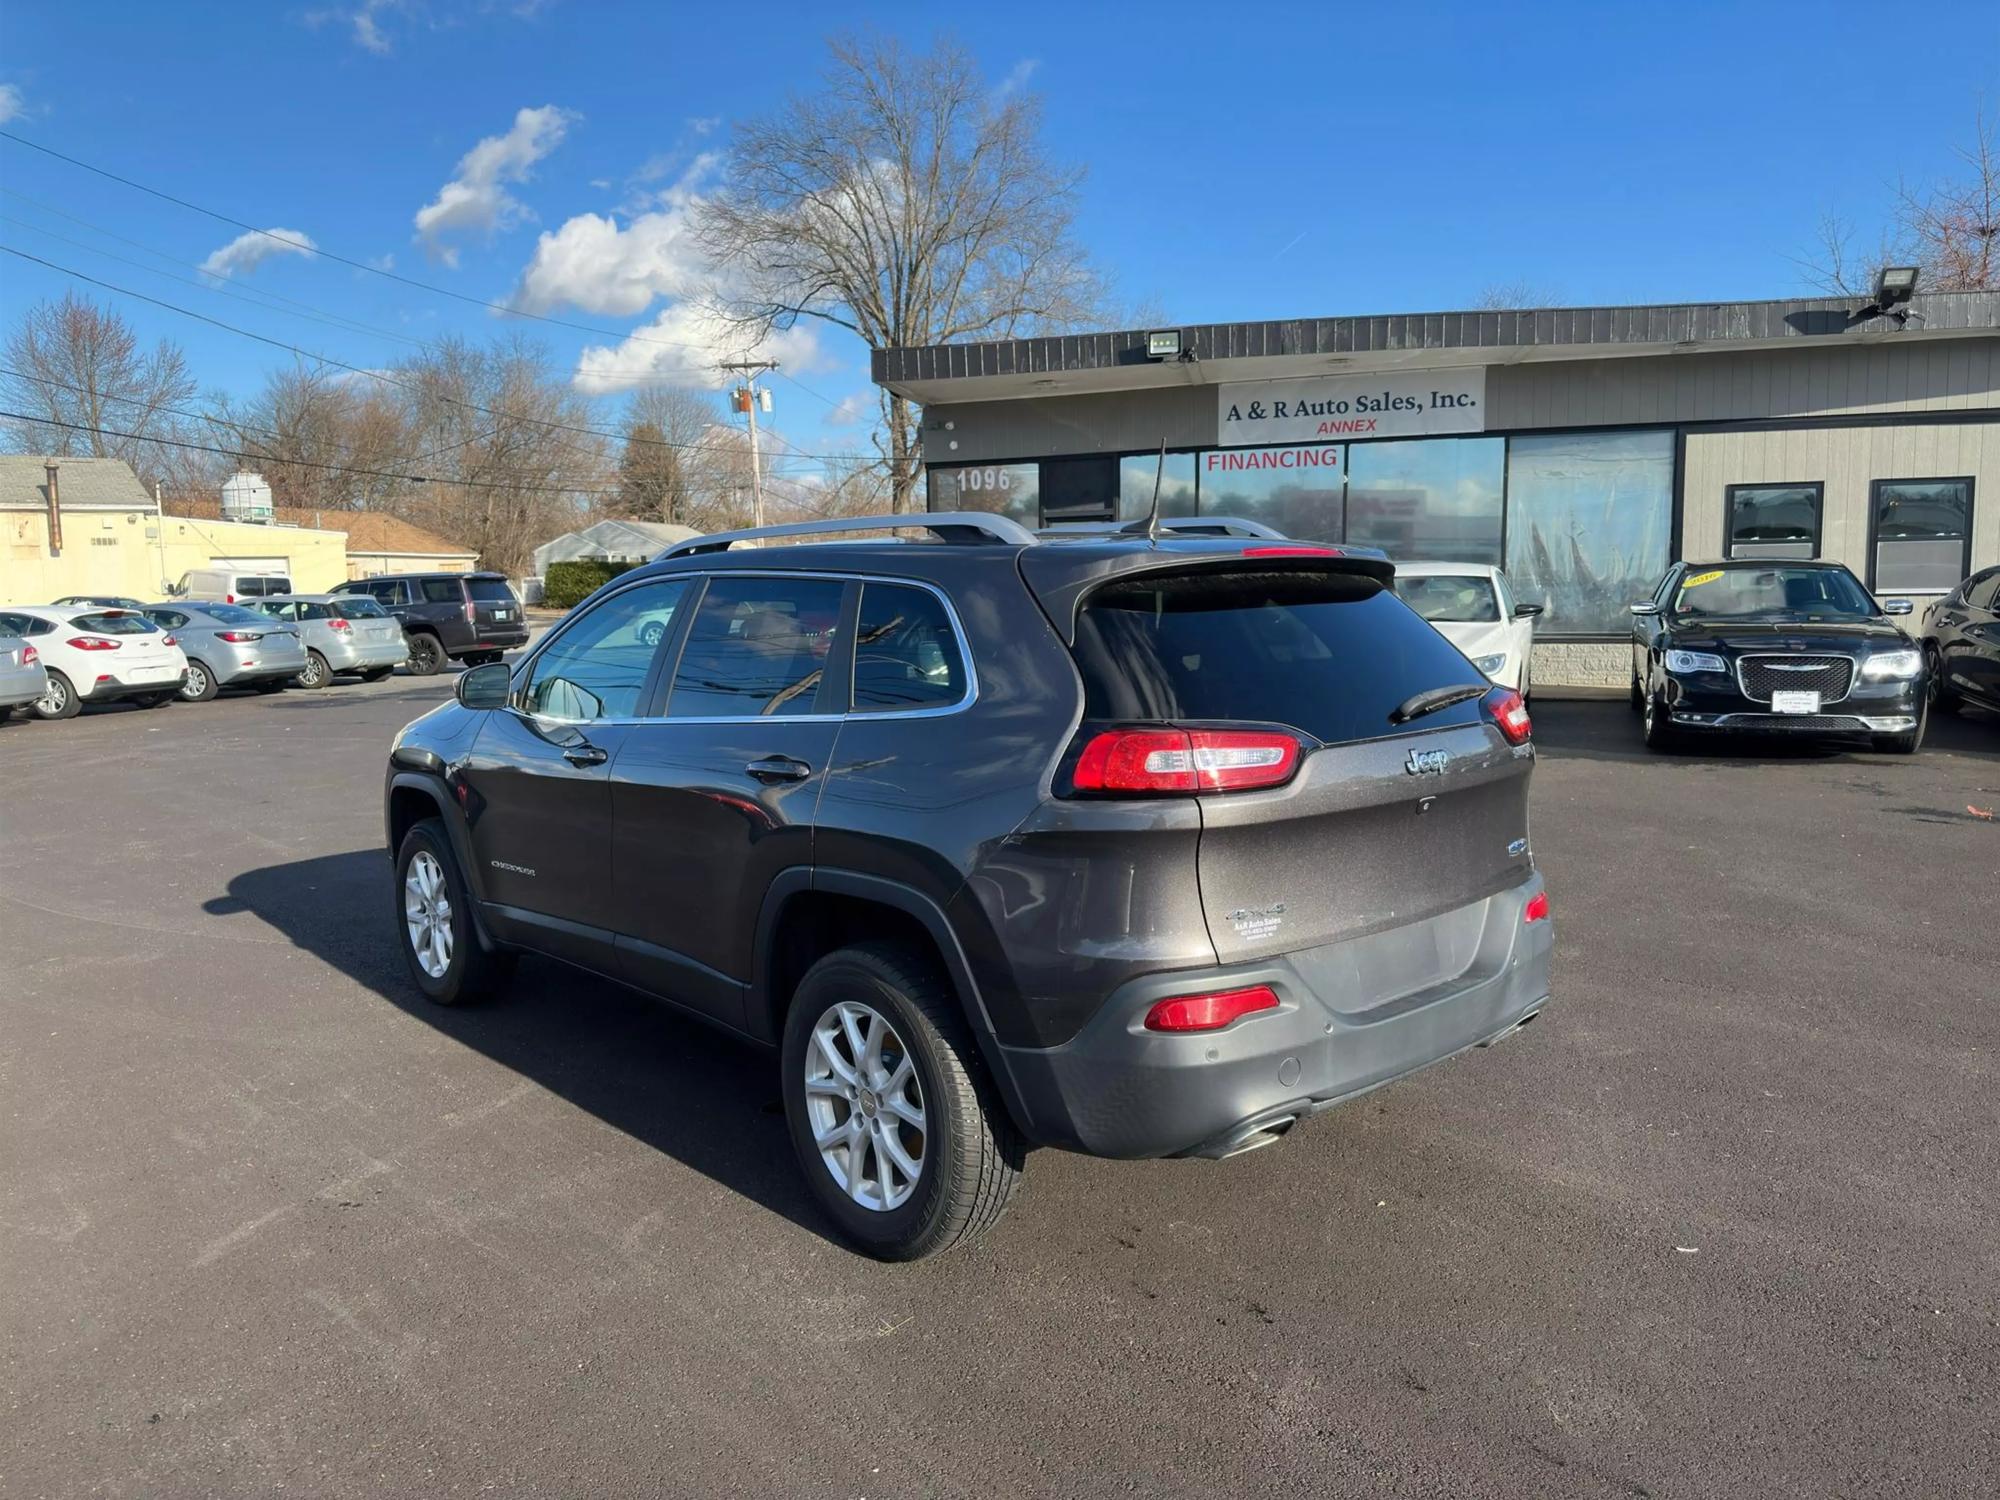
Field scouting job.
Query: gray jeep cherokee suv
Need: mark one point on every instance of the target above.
(1140, 845)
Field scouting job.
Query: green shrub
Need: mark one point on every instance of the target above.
(568, 584)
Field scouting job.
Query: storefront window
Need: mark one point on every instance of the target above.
(1589, 525)
(1923, 533)
(1300, 491)
(1011, 489)
(1435, 499)
(1774, 520)
(1135, 485)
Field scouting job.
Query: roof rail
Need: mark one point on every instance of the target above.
(948, 526)
(1179, 525)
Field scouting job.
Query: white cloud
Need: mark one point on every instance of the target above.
(252, 248)
(12, 105)
(367, 33)
(593, 264)
(683, 346)
(386, 261)
(851, 410)
(704, 124)
(1016, 79)
(476, 200)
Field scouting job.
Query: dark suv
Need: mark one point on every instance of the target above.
(468, 617)
(1135, 845)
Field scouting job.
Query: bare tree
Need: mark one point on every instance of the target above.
(1948, 230)
(1506, 296)
(324, 438)
(908, 202)
(81, 379)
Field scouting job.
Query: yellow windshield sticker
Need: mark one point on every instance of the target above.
(1688, 583)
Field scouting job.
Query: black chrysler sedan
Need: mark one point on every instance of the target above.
(1962, 644)
(1775, 647)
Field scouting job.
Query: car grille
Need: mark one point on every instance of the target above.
(1829, 676)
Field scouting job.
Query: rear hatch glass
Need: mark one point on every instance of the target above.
(115, 623)
(353, 609)
(232, 614)
(490, 590)
(1331, 654)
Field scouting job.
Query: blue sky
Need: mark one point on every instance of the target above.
(1244, 161)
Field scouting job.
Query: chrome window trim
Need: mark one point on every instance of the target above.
(1853, 672)
(970, 697)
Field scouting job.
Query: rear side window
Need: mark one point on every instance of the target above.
(1467, 598)
(1328, 653)
(487, 590)
(257, 588)
(115, 624)
(906, 654)
(389, 593)
(359, 609)
(757, 648)
(443, 591)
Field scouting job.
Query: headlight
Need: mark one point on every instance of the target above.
(1695, 661)
(1492, 666)
(1886, 664)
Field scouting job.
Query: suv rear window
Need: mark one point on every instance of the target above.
(489, 590)
(1328, 653)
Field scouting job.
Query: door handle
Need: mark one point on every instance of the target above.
(775, 768)
(585, 755)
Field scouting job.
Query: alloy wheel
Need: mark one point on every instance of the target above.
(427, 913)
(865, 1106)
(52, 702)
(197, 683)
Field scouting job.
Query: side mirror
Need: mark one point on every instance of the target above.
(1528, 611)
(1646, 607)
(1897, 607)
(485, 686)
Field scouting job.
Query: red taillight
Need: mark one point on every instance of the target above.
(337, 623)
(92, 643)
(238, 637)
(1537, 909)
(1185, 760)
(1293, 552)
(228, 598)
(1209, 1012)
(170, 641)
(1511, 714)
(29, 656)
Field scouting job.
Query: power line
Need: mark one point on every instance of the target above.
(307, 248)
(376, 374)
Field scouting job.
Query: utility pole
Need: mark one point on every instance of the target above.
(747, 397)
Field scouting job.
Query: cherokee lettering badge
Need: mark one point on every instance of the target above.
(1427, 762)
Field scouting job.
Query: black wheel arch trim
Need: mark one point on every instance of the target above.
(433, 786)
(761, 1007)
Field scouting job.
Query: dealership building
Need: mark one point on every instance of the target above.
(1581, 449)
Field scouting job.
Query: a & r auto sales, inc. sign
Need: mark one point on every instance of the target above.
(1393, 404)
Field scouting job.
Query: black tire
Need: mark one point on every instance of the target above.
(1904, 744)
(472, 972)
(376, 674)
(1655, 725)
(426, 655)
(154, 700)
(315, 675)
(201, 684)
(971, 1152)
(1944, 698)
(272, 685)
(59, 702)
(1638, 698)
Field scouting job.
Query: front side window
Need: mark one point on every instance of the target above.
(596, 669)
(1923, 533)
(757, 648)
(1774, 520)
(906, 654)
(443, 591)
(1984, 593)
(1467, 598)
(388, 593)
(1590, 519)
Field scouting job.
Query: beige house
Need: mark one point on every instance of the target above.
(376, 543)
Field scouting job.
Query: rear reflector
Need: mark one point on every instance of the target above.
(1209, 1012)
(1185, 760)
(1537, 909)
(1507, 710)
(1293, 552)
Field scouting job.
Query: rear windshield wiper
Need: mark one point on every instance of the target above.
(1430, 700)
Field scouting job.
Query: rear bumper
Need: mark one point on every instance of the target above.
(18, 687)
(109, 690)
(257, 667)
(1117, 1089)
(499, 637)
(359, 656)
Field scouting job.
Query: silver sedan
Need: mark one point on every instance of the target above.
(342, 633)
(229, 646)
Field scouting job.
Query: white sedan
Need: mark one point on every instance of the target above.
(1473, 608)
(95, 655)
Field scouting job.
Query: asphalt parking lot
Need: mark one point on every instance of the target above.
(1725, 1221)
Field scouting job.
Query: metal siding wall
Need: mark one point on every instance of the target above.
(1845, 460)
(1041, 427)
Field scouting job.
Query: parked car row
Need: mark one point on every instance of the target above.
(87, 649)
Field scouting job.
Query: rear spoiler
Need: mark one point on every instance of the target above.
(1062, 576)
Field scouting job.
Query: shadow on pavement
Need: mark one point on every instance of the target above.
(680, 1087)
(1600, 729)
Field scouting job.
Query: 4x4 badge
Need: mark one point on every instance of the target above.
(1427, 762)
